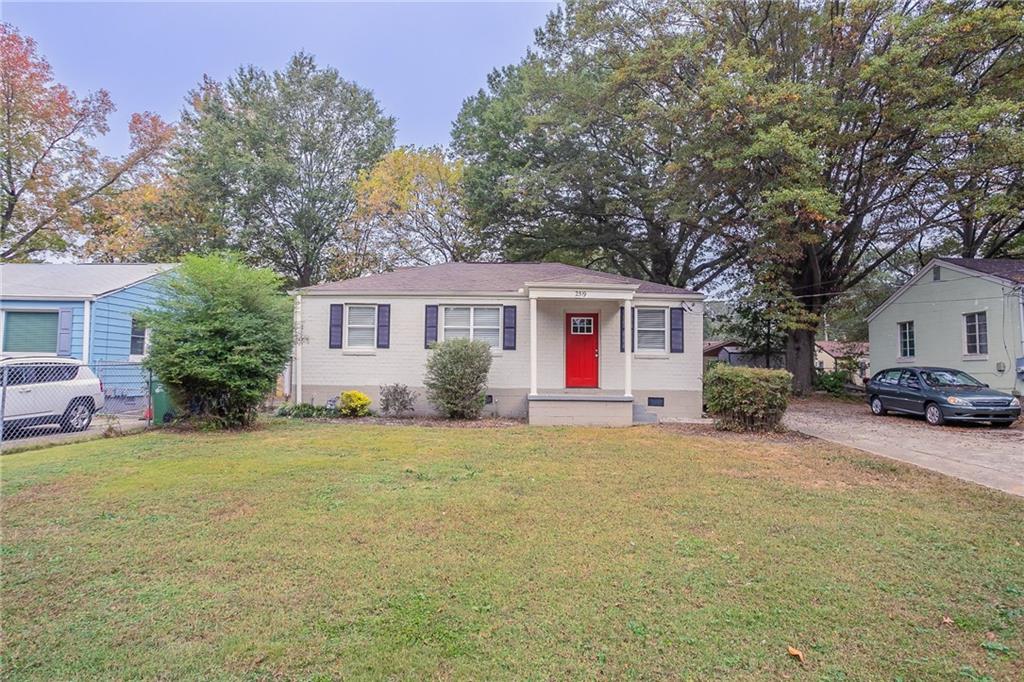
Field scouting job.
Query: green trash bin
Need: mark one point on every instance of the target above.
(163, 409)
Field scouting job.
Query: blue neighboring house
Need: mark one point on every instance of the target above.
(86, 311)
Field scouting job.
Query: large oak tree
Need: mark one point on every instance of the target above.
(583, 153)
(806, 142)
(906, 96)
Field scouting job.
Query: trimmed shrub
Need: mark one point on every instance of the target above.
(396, 399)
(456, 378)
(354, 404)
(220, 338)
(747, 398)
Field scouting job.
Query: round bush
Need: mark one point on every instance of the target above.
(354, 404)
(456, 378)
(747, 398)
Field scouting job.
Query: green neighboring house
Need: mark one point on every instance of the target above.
(963, 313)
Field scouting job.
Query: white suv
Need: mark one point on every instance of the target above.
(48, 390)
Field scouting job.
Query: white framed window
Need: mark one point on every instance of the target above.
(906, 332)
(139, 343)
(361, 326)
(976, 334)
(581, 326)
(651, 333)
(480, 323)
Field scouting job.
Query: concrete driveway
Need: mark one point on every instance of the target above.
(972, 452)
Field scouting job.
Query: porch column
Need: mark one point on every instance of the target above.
(627, 312)
(533, 346)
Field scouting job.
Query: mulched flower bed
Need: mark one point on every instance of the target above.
(484, 423)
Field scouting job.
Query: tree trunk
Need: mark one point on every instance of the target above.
(800, 359)
(304, 275)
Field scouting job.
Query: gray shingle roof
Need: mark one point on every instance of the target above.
(490, 277)
(1006, 268)
(72, 280)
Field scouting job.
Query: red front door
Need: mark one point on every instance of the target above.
(581, 350)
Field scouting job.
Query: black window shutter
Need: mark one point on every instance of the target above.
(508, 341)
(622, 329)
(337, 324)
(676, 330)
(384, 325)
(430, 326)
(632, 334)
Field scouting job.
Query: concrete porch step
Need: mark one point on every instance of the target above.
(550, 409)
(580, 391)
(580, 398)
(642, 416)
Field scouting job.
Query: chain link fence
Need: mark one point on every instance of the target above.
(43, 397)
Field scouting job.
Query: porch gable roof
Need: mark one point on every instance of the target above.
(567, 289)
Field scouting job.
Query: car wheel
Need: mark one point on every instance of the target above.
(877, 407)
(933, 415)
(77, 417)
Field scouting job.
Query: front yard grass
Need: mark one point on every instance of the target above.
(325, 551)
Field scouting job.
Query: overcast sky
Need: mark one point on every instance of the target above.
(420, 59)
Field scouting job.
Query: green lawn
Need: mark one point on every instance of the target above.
(321, 551)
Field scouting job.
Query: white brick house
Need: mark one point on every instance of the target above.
(605, 349)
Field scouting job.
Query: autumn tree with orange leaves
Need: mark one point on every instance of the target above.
(50, 174)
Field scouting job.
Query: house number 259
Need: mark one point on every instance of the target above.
(580, 293)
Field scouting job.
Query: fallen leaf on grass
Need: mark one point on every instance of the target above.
(946, 620)
(795, 653)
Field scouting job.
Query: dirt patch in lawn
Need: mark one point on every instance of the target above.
(61, 491)
(235, 510)
(782, 456)
(782, 436)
